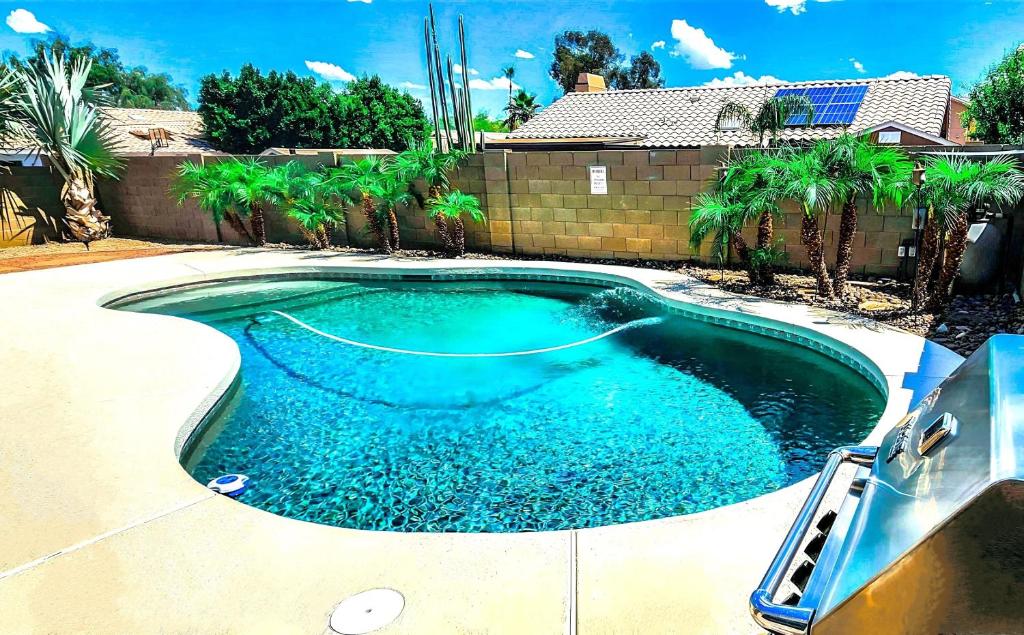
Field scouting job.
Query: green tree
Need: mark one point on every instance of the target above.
(231, 190)
(806, 176)
(423, 162)
(769, 119)
(748, 192)
(123, 86)
(995, 111)
(453, 206)
(376, 115)
(861, 168)
(47, 113)
(312, 199)
(482, 122)
(577, 52)
(643, 72)
(252, 112)
(521, 109)
(368, 177)
(952, 188)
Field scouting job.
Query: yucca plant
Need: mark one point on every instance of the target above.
(953, 186)
(230, 190)
(424, 162)
(453, 206)
(861, 168)
(51, 115)
(368, 177)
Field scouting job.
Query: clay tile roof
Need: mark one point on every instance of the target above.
(685, 117)
(185, 130)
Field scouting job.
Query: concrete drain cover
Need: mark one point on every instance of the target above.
(367, 611)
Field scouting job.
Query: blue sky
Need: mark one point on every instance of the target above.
(696, 41)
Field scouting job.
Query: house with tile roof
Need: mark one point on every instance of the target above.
(910, 111)
(144, 131)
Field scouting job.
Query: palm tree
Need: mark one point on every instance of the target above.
(423, 162)
(231, 190)
(863, 168)
(390, 194)
(453, 206)
(509, 72)
(52, 116)
(954, 186)
(312, 199)
(807, 178)
(721, 215)
(755, 180)
(770, 118)
(367, 177)
(521, 109)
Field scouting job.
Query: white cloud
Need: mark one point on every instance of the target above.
(856, 64)
(497, 83)
(660, 44)
(23, 21)
(796, 7)
(458, 69)
(363, 1)
(524, 55)
(698, 49)
(739, 78)
(902, 75)
(331, 72)
(412, 86)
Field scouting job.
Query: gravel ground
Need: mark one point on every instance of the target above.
(105, 245)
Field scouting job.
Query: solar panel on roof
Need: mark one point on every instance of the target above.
(833, 105)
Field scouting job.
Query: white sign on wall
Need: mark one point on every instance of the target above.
(598, 179)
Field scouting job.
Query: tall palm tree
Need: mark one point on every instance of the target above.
(807, 178)
(54, 117)
(521, 109)
(422, 161)
(453, 206)
(368, 176)
(954, 186)
(509, 72)
(769, 119)
(862, 168)
(231, 190)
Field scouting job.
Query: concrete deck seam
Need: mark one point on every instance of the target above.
(573, 582)
(98, 538)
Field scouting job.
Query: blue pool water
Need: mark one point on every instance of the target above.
(667, 416)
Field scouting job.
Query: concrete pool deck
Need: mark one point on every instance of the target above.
(104, 532)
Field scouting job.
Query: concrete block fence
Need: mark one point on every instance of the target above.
(536, 203)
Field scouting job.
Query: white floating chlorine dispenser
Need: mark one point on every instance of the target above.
(231, 485)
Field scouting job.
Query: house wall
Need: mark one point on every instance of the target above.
(955, 130)
(30, 206)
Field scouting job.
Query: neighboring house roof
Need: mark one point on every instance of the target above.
(185, 130)
(935, 139)
(685, 117)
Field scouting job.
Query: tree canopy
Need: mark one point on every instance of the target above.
(252, 112)
(995, 113)
(593, 52)
(643, 72)
(123, 86)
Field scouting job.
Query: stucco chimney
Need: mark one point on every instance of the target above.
(590, 83)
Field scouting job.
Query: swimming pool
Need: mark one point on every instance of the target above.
(664, 416)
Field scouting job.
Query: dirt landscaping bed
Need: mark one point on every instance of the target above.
(54, 254)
